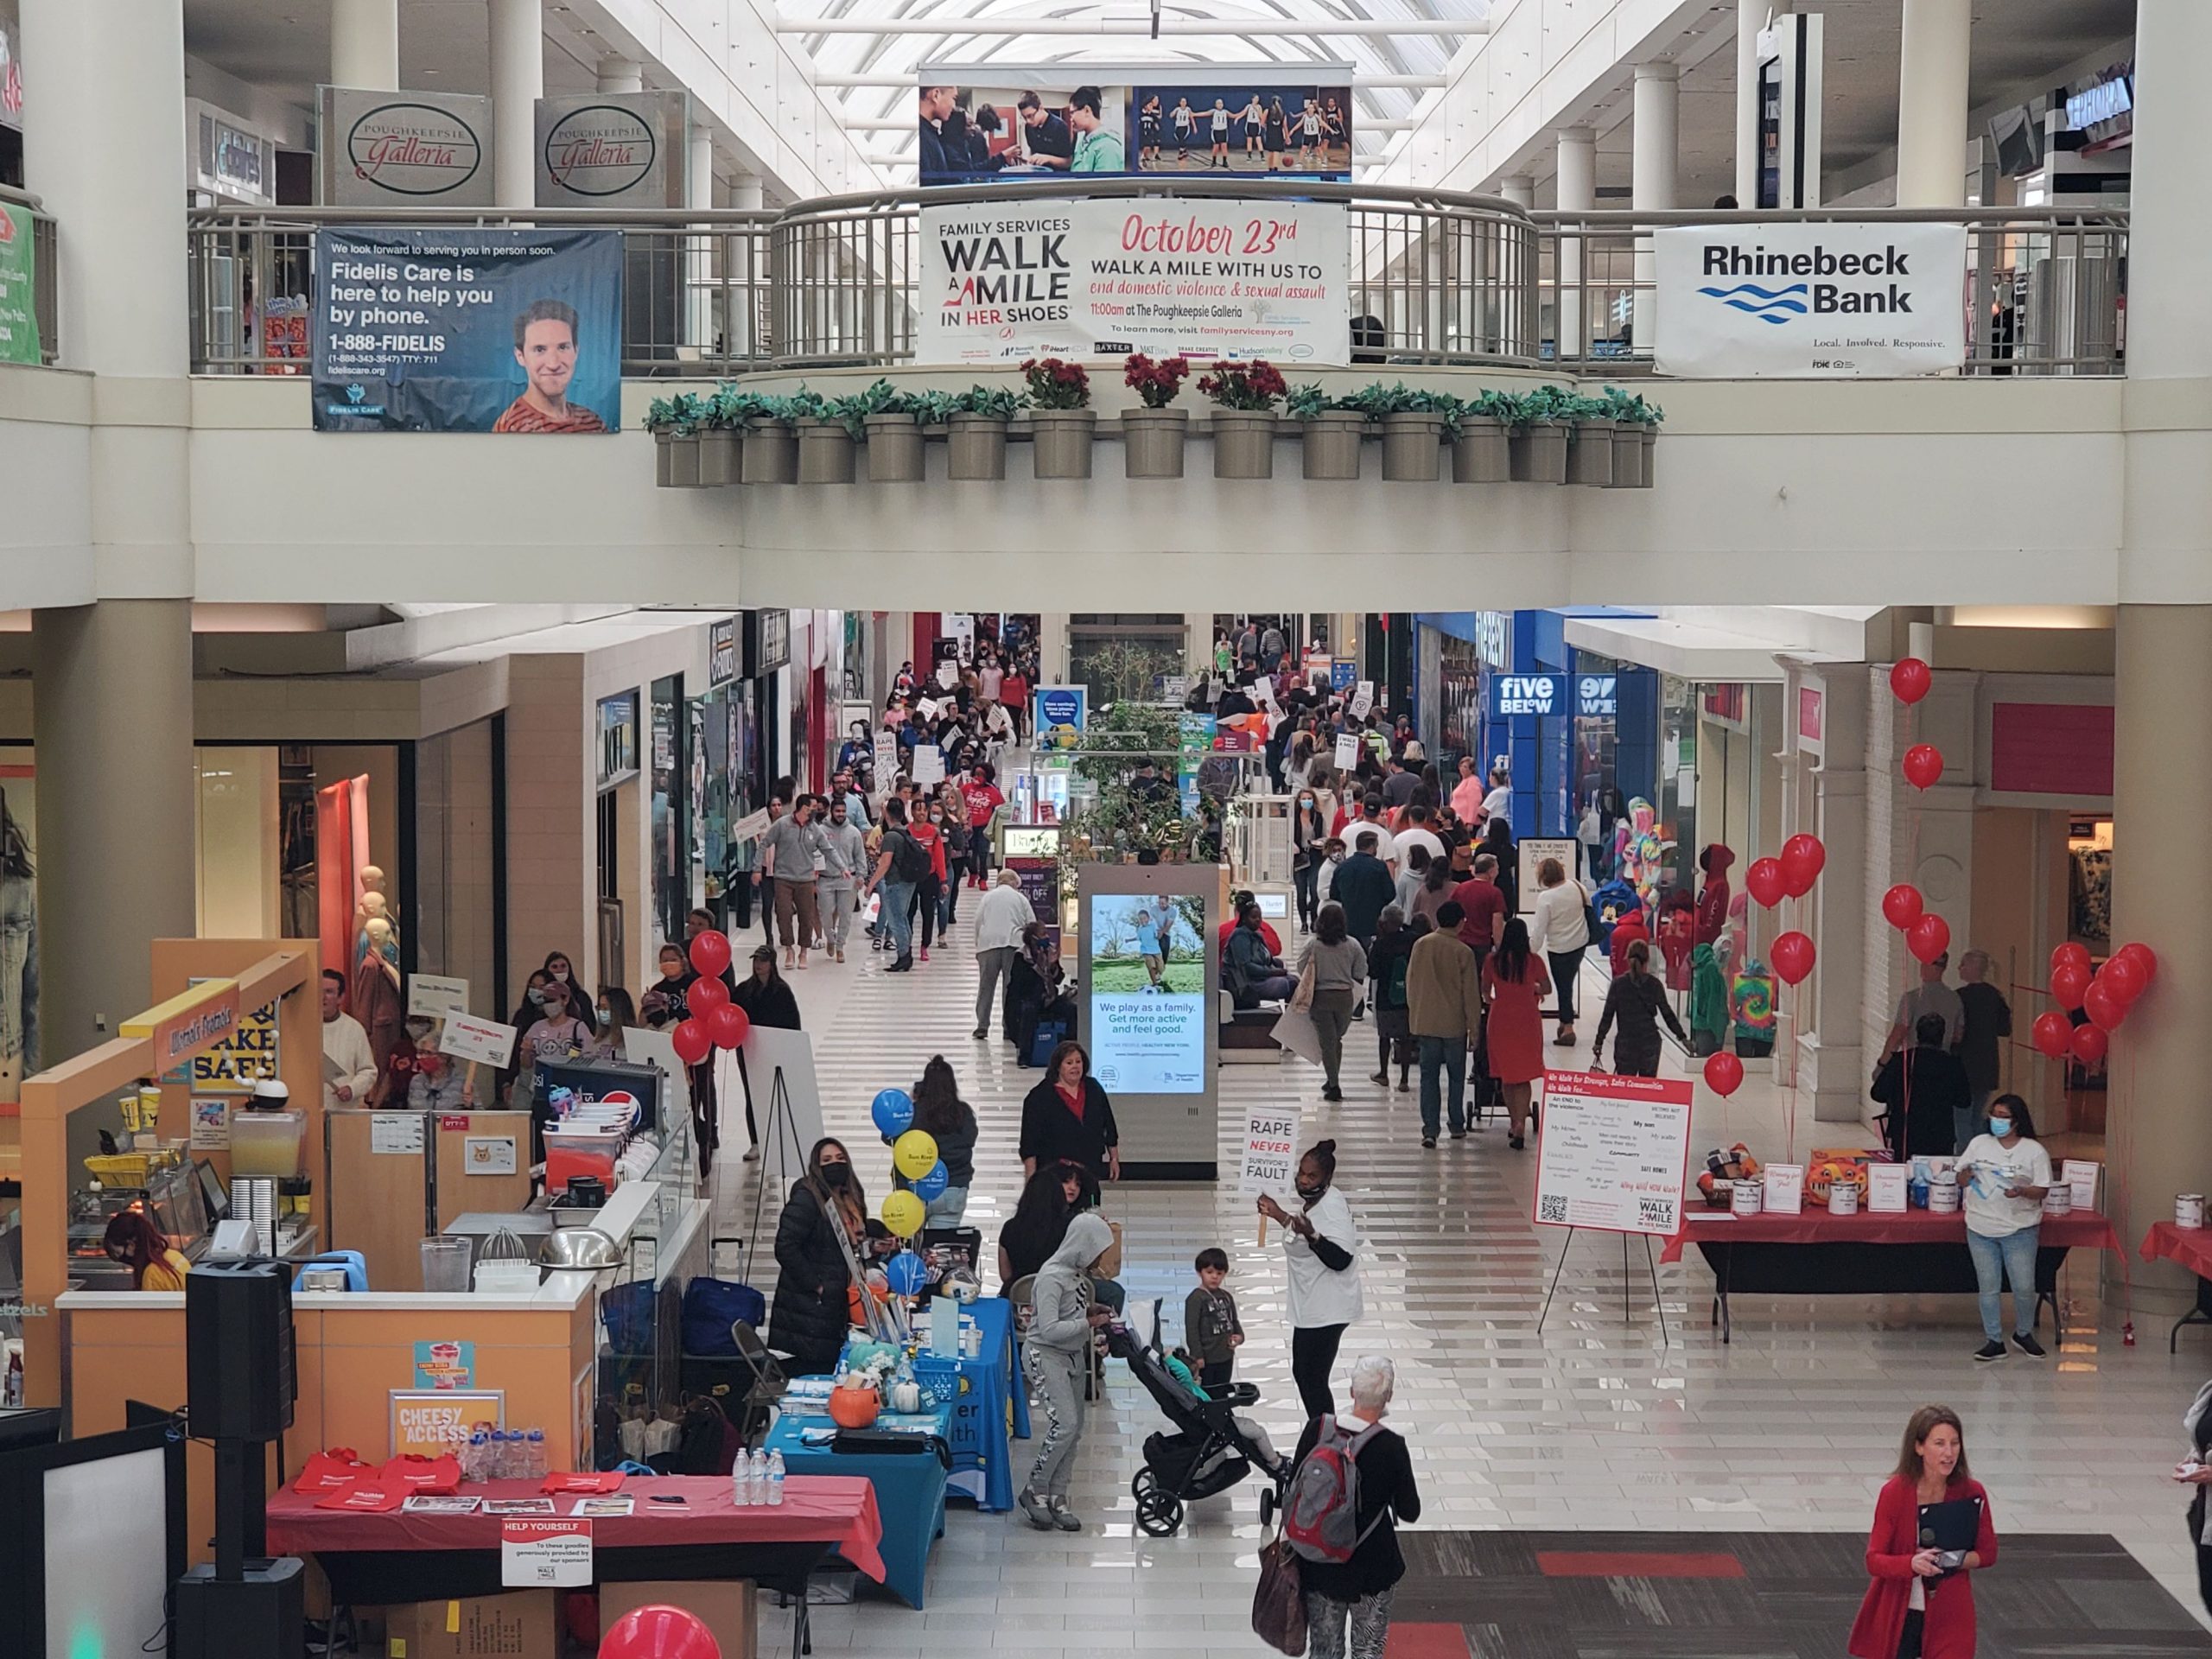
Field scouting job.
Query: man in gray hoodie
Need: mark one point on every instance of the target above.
(1055, 1353)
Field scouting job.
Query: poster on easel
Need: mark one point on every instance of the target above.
(788, 1129)
(1614, 1154)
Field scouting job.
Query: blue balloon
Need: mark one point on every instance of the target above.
(893, 1112)
(931, 1186)
(906, 1272)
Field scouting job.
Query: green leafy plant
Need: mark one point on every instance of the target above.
(1376, 400)
(732, 410)
(1539, 403)
(804, 405)
(991, 403)
(1056, 384)
(1303, 403)
(660, 415)
(878, 397)
(1630, 409)
(933, 408)
(688, 414)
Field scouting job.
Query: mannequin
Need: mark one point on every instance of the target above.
(376, 1001)
(372, 906)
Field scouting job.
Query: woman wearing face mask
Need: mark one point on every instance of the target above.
(667, 1002)
(557, 967)
(438, 1085)
(617, 1013)
(1917, 1607)
(557, 1037)
(1053, 1355)
(528, 1012)
(2003, 1176)
(1320, 1245)
(1309, 832)
(811, 1318)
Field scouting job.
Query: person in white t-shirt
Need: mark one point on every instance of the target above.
(1320, 1246)
(1499, 804)
(2003, 1175)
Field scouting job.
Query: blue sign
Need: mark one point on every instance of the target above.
(1527, 694)
(1342, 675)
(1596, 697)
(1062, 713)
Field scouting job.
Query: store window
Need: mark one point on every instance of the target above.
(2089, 883)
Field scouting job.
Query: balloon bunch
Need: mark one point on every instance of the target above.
(1792, 875)
(1927, 936)
(914, 1155)
(715, 1021)
(2105, 995)
(1909, 680)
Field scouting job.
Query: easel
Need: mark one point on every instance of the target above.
(1628, 1309)
(782, 1122)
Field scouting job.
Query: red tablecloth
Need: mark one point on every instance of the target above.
(838, 1510)
(2190, 1246)
(1814, 1225)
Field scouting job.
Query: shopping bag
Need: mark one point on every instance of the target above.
(1278, 1602)
(1302, 998)
(1295, 1030)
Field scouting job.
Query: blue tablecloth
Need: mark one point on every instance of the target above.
(992, 1412)
(909, 1490)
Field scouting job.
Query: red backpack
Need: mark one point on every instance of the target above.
(1320, 1512)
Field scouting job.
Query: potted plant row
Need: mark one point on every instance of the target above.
(1244, 397)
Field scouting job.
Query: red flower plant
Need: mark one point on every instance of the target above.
(1057, 384)
(1255, 385)
(1156, 381)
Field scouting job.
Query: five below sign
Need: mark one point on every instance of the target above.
(1592, 695)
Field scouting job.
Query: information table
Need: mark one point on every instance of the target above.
(1816, 1254)
(2191, 1248)
(909, 1487)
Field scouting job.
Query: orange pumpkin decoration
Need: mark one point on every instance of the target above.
(853, 1408)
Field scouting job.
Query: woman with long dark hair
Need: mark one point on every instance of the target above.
(1920, 1605)
(616, 1014)
(558, 966)
(1434, 892)
(1497, 842)
(1638, 1001)
(1515, 983)
(941, 1114)
(825, 1215)
(1309, 833)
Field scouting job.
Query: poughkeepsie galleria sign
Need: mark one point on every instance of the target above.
(1832, 301)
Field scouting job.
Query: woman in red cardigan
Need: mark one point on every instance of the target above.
(1914, 1609)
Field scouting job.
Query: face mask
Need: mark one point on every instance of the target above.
(1310, 1193)
(537, 997)
(602, 1011)
(561, 974)
(837, 1174)
(2000, 1126)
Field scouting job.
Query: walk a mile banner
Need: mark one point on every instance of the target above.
(1102, 279)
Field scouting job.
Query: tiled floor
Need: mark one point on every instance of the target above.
(1595, 1425)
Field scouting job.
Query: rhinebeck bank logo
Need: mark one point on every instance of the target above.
(1780, 305)
(414, 149)
(600, 150)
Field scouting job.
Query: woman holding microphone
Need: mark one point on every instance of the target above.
(1920, 1605)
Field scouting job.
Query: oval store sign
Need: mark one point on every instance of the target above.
(601, 149)
(414, 149)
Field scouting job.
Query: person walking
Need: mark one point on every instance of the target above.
(1309, 835)
(982, 796)
(1482, 905)
(1444, 1011)
(1638, 1002)
(2004, 1173)
(1497, 843)
(1917, 1607)
(925, 828)
(1054, 1358)
(900, 862)
(1386, 996)
(1515, 984)
(1320, 1248)
(1362, 886)
(1560, 928)
(2195, 1470)
(844, 862)
(951, 1121)
(1000, 918)
(1338, 965)
(788, 852)
(1348, 1603)
(1987, 1023)
(1068, 1116)
(1925, 1089)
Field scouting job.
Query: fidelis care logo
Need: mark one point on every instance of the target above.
(414, 149)
(601, 149)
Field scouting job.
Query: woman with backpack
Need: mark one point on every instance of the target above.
(1562, 931)
(1386, 977)
(1350, 1565)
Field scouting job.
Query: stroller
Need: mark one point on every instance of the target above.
(1207, 1453)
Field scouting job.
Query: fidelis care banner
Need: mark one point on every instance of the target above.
(1097, 280)
(465, 330)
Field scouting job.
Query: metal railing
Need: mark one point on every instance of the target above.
(44, 276)
(1436, 279)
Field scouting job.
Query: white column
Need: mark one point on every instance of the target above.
(700, 288)
(1518, 188)
(518, 82)
(364, 44)
(1655, 165)
(620, 75)
(745, 192)
(749, 267)
(1578, 193)
(1932, 53)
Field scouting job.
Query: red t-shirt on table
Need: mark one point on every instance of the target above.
(1485, 906)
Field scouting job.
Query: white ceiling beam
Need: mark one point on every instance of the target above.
(893, 124)
(1141, 26)
(906, 82)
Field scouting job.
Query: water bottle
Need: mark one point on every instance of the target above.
(538, 1469)
(775, 1478)
(740, 1478)
(511, 1455)
(473, 1454)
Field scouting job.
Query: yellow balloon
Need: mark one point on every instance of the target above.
(914, 1154)
(904, 1213)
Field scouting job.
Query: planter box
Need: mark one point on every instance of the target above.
(1061, 440)
(1650, 436)
(894, 449)
(1332, 441)
(719, 457)
(1538, 454)
(1412, 448)
(1152, 441)
(1628, 456)
(771, 453)
(1481, 454)
(825, 453)
(976, 447)
(675, 461)
(1243, 443)
(1590, 455)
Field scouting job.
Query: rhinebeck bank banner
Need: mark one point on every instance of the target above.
(1225, 279)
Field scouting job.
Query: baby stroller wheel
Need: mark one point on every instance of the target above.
(1160, 1512)
(1266, 1506)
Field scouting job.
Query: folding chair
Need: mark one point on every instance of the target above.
(768, 1380)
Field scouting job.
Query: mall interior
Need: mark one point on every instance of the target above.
(1745, 453)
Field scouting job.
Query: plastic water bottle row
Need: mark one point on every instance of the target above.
(757, 1478)
(504, 1454)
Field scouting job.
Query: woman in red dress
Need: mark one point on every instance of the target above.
(1915, 1608)
(1515, 984)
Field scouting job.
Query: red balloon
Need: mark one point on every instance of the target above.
(659, 1632)
(711, 953)
(706, 994)
(2089, 1043)
(2143, 957)
(692, 1043)
(2102, 1007)
(2069, 983)
(1764, 882)
(1924, 765)
(1724, 1073)
(728, 1026)
(1793, 957)
(1802, 859)
(2071, 952)
(1928, 939)
(2054, 1034)
(2123, 977)
(1901, 905)
(1909, 679)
